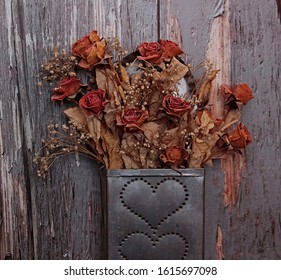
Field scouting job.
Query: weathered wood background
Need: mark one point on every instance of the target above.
(60, 218)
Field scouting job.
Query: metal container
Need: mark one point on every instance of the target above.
(155, 214)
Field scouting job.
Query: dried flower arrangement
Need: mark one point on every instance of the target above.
(142, 110)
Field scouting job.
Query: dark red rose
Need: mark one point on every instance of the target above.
(150, 52)
(169, 49)
(91, 49)
(67, 87)
(175, 106)
(93, 102)
(174, 156)
(131, 119)
(240, 137)
(240, 92)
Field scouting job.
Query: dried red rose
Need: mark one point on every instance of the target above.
(240, 137)
(67, 87)
(150, 52)
(155, 52)
(131, 119)
(175, 106)
(169, 49)
(91, 49)
(174, 156)
(240, 92)
(93, 102)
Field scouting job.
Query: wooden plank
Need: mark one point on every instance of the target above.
(252, 230)
(15, 223)
(60, 217)
(255, 232)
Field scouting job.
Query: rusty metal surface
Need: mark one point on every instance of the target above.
(155, 214)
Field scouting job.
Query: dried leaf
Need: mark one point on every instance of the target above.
(113, 149)
(94, 127)
(207, 123)
(105, 80)
(130, 163)
(172, 137)
(231, 118)
(129, 148)
(154, 100)
(206, 85)
(201, 150)
(175, 71)
(124, 74)
(152, 130)
(109, 116)
(76, 116)
(143, 157)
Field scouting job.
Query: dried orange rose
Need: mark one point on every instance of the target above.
(81, 45)
(240, 92)
(93, 102)
(67, 87)
(174, 156)
(240, 137)
(131, 119)
(91, 49)
(175, 106)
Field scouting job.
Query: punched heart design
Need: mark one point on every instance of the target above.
(154, 204)
(166, 247)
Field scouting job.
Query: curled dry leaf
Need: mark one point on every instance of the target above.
(113, 149)
(206, 86)
(231, 118)
(77, 117)
(124, 74)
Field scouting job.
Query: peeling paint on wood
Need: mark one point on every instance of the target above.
(219, 8)
(219, 56)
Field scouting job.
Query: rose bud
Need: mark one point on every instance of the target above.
(150, 52)
(67, 87)
(175, 106)
(174, 156)
(131, 119)
(170, 49)
(93, 102)
(240, 137)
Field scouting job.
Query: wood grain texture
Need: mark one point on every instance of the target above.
(61, 217)
(252, 231)
(256, 228)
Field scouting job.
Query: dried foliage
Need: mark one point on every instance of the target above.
(132, 112)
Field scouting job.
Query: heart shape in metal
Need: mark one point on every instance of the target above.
(154, 204)
(141, 246)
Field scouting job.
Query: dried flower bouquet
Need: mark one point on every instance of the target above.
(142, 110)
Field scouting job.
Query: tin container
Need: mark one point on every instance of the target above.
(154, 214)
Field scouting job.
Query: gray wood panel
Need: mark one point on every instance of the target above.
(61, 217)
